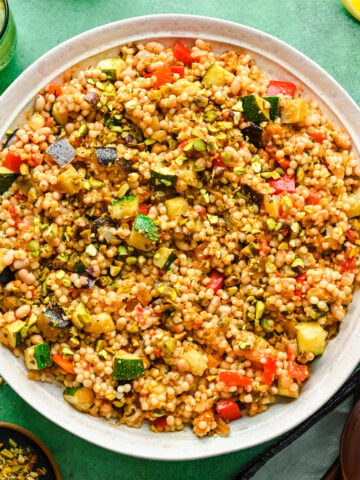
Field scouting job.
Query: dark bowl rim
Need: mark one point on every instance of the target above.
(40, 444)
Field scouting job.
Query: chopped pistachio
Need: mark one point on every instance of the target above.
(91, 250)
(239, 171)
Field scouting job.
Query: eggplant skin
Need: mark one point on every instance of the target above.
(61, 152)
(253, 133)
(106, 155)
(6, 276)
(56, 316)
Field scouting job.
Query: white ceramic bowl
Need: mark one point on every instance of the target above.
(342, 354)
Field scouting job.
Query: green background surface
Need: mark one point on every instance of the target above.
(321, 29)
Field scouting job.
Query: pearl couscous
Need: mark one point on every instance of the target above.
(178, 237)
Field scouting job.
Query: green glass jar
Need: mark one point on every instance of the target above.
(7, 34)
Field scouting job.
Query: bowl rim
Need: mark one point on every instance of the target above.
(39, 443)
(176, 446)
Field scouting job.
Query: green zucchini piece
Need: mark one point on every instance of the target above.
(311, 337)
(144, 233)
(7, 178)
(112, 67)
(176, 207)
(164, 258)
(125, 207)
(38, 357)
(255, 109)
(81, 398)
(274, 106)
(12, 334)
(163, 178)
(128, 366)
(217, 76)
(60, 117)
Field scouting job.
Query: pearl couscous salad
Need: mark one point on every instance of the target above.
(178, 237)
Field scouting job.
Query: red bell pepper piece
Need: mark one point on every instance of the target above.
(297, 371)
(283, 184)
(143, 209)
(163, 75)
(348, 265)
(12, 162)
(269, 370)
(218, 162)
(276, 87)
(64, 363)
(182, 53)
(290, 350)
(234, 379)
(216, 280)
(313, 199)
(284, 163)
(351, 235)
(318, 136)
(228, 410)
(55, 89)
(179, 69)
(160, 422)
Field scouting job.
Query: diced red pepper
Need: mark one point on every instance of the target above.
(218, 162)
(269, 369)
(163, 75)
(201, 211)
(234, 379)
(297, 371)
(351, 235)
(182, 53)
(12, 162)
(216, 280)
(313, 199)
(179, 69)
(228, 410)
(143, 209)
(13, 213)
(283, 184)
(284, 163)
(348, 265)
(318, 136)
(160, 423)
(277, 87)
(55, 89)
(301, 278)
(183, 144)
(64, 363)
(264, 246)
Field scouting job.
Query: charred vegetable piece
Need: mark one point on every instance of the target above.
(112, 67)
(6, 276)
(101, 228)
(81, 398)
(92, 97)
(125, 207)
(69, 181)
(80, 267)
(7, 178)
(255, 109)
(274, 106)
(164, 258)
(216, 75)
(163, 178)
(12, 334)
(125, 165)
(144, 233)
(106, 155)
(127, 366)
(251, 195)
(253, 133)
(56, 316)
(38, 357)
(61, 152)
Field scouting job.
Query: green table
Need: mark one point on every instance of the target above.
(321, 29)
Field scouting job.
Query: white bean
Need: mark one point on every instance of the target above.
(22, 311)
(8, 258)
(21, 263)
(26, 277)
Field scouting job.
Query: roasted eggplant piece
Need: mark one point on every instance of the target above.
(92, 97)
(6, 276)
(61, 152)
(253, 134)
(125, 165)
(52, 322)
(106, 155)
(101, 228)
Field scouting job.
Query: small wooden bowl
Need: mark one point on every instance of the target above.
(25, 439)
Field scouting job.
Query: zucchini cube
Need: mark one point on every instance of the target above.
(127, 366)
(38, 357)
